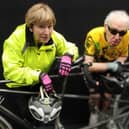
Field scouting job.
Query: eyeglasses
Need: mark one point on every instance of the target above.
(115, 31)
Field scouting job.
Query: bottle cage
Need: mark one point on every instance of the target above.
(44, 108)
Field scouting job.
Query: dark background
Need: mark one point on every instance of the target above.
(74, 19)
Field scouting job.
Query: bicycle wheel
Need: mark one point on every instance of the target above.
(4, 124)
(123, 122)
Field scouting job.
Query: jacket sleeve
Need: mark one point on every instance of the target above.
(72, 50)
(64, 46)
(13, 64)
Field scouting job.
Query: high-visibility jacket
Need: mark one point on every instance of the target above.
(23, 60)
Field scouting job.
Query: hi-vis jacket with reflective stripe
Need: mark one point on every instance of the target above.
(23, 61)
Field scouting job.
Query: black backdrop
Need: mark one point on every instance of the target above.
(74, 19)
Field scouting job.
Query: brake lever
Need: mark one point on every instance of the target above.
(114, 80)
(125, 67)
(87, 75)
(78, 61)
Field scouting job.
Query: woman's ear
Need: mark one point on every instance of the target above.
(30, 28)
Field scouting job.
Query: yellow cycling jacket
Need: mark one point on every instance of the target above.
(23, 61)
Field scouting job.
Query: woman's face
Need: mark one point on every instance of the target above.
(42, 33)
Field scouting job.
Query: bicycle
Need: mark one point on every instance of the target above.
(118, 117)
(83, 71)
(54, 105)
(6, 114)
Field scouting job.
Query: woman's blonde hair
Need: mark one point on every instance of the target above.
(39, 14)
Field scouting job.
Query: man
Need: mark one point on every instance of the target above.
(106, 46)
(30, 51)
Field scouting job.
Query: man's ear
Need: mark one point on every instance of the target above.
(105, 25)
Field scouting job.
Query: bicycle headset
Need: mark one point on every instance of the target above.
(44, 108)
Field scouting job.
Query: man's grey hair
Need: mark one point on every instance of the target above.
(119, 14)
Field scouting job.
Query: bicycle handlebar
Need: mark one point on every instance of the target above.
(120, 80)
(78, 64)
(87, 75)
(75, 65)
(5, 81)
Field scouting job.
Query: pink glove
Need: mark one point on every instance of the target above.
(47, 82)
(65, 65)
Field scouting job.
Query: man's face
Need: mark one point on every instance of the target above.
(42, 33)
(115, 32)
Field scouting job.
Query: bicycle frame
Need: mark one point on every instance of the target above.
(87, 78)
(25, 123)
(114, 120)
(16, 118)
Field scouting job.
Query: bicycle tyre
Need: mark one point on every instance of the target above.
(4, 124)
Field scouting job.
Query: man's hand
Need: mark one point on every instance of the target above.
(65, 65)
(115, 67)
(46, 82)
